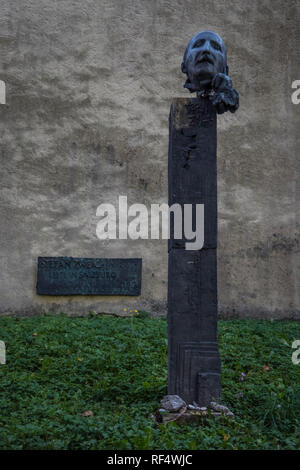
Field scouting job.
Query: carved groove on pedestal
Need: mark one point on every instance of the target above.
(192, 359)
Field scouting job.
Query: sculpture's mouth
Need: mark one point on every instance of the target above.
(205, 59)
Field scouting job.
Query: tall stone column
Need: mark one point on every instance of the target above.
(194, 364)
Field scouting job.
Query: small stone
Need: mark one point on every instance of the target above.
(216, 407)
(162, 410)
(199, 408)
(192, 407)
(221, 409)
(172, 402)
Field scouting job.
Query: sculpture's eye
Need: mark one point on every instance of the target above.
(216, 46)
(199, 43)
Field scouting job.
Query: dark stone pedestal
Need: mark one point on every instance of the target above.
(194, 363)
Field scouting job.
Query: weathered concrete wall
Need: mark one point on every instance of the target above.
(89, 86)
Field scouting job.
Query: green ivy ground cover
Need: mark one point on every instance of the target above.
(60, 367)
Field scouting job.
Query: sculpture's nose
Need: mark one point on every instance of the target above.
(206, 49)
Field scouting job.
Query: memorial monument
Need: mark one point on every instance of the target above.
(194, 369)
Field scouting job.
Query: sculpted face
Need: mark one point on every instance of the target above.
(205, 56)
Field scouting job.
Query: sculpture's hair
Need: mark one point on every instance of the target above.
(183, 64)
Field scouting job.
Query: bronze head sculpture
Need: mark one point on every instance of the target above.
(205, 64)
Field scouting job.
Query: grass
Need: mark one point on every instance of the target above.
(59, 367)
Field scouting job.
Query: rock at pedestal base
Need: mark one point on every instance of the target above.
(175, 409)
